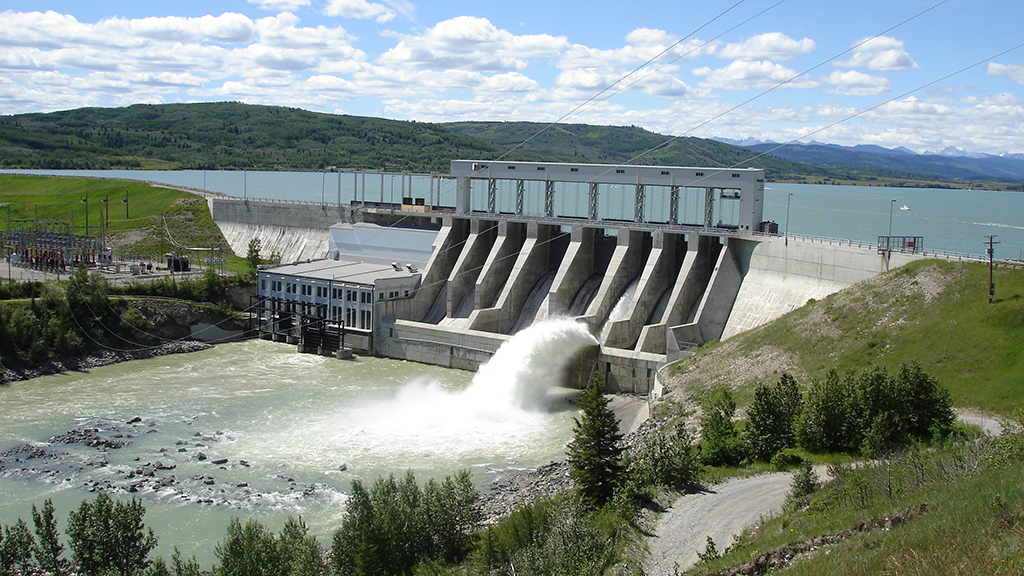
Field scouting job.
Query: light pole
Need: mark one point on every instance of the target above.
(891, 204)
(788, 201)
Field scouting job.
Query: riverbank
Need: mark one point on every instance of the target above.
(95, 360)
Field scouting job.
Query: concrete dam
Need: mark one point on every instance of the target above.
(650, 284)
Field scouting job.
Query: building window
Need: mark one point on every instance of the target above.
(698, 173)
(540, 167)
(735, 175)
(367, 297)
(511, 167)
(665, 172)
(574, 169)
(620, 171)
(263, 284)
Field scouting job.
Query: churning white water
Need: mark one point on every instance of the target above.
(282, 433)
(621, 308)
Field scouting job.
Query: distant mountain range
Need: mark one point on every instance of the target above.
(952, 163)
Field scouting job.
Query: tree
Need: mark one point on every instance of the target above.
(594, 453)
(249, 550)
(770, 418)
(299, 550)
(394, 525)
(107, 536)
(720, 442)
(826, 424)
(252, 256)
(48, 548)
(17, 547)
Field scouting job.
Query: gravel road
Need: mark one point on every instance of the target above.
(720, 512)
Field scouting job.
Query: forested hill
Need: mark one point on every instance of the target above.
(232, 135)
(228, 135)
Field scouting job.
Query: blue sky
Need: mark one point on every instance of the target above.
(537, 61)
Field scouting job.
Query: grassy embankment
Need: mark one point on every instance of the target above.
(157, 218)
(933, 312)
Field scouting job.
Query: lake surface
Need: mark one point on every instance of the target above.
(280, 433)
(955, 221)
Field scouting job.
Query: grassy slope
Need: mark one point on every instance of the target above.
(932, 312)
(187, 217)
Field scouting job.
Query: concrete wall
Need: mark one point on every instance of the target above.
(295, 231)
(471, 261)
(780, 276)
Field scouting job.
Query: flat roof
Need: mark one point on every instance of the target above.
(386, 244)
(351, 271)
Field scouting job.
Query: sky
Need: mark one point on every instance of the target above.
(925, 75)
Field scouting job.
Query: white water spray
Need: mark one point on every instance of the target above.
(530, 363)
(501, 413)
(621, 308)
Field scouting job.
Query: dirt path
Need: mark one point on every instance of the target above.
(720, 512)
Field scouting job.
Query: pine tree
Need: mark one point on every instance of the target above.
(48, 548)
(594, 454)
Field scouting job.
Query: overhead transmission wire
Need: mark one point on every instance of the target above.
(833, 124)
(623, 78)
(779, 85)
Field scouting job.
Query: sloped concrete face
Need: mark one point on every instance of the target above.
(292, 244)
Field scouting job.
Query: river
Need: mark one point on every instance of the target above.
(956, 221)
(294, 429)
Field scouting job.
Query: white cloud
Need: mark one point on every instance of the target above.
(882, 54)
(642, 45)
(770, 46)
(760, 75)
(280, 5)
(853, 83)
(471, 43)
(1013, 72)
(359, 9)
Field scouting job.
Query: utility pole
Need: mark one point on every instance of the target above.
(990, 251)
(789, 199)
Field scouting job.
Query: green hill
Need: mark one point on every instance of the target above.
(232, 135)
(227, 135)
(933, 312)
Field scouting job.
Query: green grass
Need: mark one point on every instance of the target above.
(155, 215)
(972, 520)
(933, 312)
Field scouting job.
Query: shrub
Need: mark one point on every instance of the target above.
(770, 418)
(720, 442)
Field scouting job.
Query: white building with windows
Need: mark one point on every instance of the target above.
(367, 264)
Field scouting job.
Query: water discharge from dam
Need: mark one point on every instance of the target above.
(281, 433)
(621, 309)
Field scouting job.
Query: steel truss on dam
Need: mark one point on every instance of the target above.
(646, 263)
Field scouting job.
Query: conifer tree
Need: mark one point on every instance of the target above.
(594, 454)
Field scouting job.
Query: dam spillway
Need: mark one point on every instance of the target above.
(686, 244)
